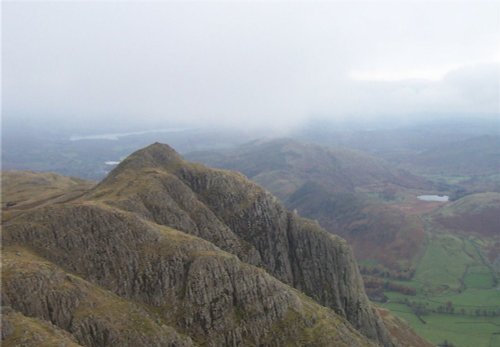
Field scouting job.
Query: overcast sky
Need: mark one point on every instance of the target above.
(249, 62)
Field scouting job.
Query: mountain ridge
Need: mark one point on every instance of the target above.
(249, 212)
(128, 256)
(230, 226)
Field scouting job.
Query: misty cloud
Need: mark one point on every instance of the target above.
(246, 63)
(467, 90)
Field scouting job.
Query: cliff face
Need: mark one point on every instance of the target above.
(94, 317)
(251, 223)
(294, 250)
(196, 256)
(139, 284)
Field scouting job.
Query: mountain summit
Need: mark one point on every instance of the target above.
(165, 252)
(157, 155)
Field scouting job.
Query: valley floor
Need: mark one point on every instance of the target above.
(457, 296)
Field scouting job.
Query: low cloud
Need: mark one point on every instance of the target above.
(466, 90)
(245, 64)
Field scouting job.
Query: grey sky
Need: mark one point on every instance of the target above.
(249, 62)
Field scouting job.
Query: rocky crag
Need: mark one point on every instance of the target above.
(164, 252)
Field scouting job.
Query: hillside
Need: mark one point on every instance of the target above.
(404, 141)
(475, 215)
(454, 294)
(198, 256)
(285, 165)
(23, 190)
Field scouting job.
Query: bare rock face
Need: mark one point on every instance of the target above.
(168, 253)
(94, 317)
(292, 249)
(181, 285)
(250, 223)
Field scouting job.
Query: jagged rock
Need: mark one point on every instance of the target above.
(95, 317)
(293, 250)
(223, 278)
(187, 282)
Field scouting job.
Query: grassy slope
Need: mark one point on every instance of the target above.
(402, 330)
(462, 331)
(22, 190)
(32, 332)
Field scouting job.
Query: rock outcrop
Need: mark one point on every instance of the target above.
(19, 330)
(250, 223)
(94, 317)
(139, 284)
(164, 252)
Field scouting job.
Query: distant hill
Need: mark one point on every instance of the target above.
(446, 148)
(282, 165)
(288, 164)
(400, 142)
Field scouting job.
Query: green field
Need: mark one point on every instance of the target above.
(479, 277)
(462, 331)
(443, 264)
(452, 276)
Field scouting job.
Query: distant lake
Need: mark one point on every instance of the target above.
(441, 198)
(117, 136)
